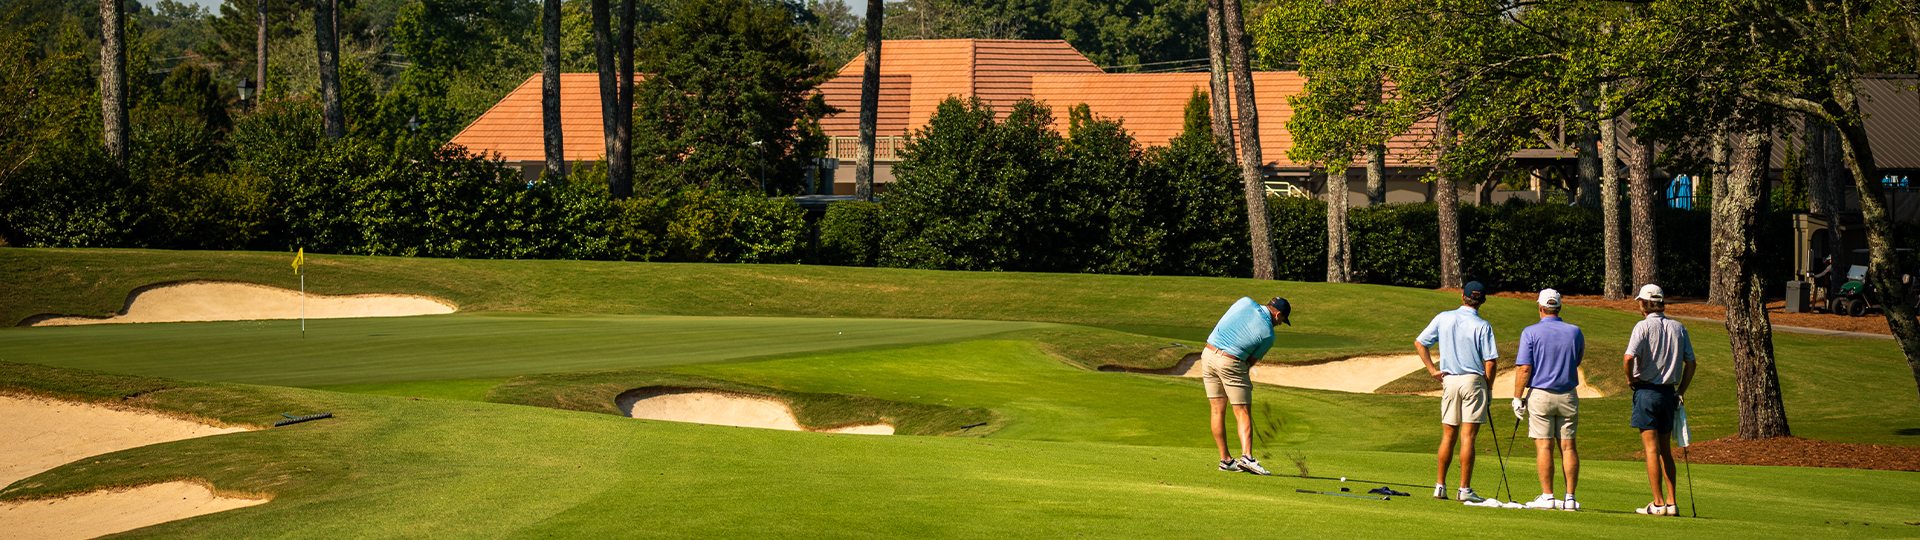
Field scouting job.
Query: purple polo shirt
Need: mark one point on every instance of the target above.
(1553, 348)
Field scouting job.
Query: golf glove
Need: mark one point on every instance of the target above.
(1519, 408)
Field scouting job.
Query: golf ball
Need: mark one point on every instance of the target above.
(1343, 479)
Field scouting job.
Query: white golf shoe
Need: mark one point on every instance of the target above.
(1570, 505)
(1468, 496)
(1544, 502)
(1248, 464)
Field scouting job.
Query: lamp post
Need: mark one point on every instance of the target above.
(413, 123)
(763, 165)
(246, 94)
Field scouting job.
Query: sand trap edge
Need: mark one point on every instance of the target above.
(117, 509)
(128, 305)
(725, 408)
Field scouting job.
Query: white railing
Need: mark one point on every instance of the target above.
(1285, 189)
(886, 148)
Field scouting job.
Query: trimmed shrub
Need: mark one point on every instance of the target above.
(703, 226)
(1299, 229)
(850, 234)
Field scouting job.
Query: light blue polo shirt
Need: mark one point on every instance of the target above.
(1246, 331)
(1465, 341)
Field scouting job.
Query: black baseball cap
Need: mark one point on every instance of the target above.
(1286, 310)
(1474, 291)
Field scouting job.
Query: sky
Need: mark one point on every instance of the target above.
(213, 6)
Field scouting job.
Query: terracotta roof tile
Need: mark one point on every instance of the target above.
(512, 128)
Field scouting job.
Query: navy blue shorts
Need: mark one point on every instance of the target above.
(1653, 407)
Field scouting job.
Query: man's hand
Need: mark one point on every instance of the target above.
(1520, 408)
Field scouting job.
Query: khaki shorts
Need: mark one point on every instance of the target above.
(1464, 398)
(1552, 415)
(1225, 377)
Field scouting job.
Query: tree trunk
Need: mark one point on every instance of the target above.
(1250, 161)
(1720, 158)
(618, 183)
(1339, 250)
(1644, 198)
(1757, 385)
(1448, 199)
(1882, 268)
(1614, 286)
(328, 50)
(869, 104)
(113, 81)
(550, 89)
(1836, 166)
(260, 53)
(1221, 90)
(1587, 154)
(1376, 174)
(621, 160)
(1483, 192)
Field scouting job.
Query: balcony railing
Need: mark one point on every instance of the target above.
(885, 148)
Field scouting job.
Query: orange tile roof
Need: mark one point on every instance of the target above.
(512, 128)
(997, 71)
(1152, 106)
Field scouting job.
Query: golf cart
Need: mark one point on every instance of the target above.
(1858, 296)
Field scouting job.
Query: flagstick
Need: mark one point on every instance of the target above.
(303, 306)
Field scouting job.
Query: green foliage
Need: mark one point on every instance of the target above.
(1299, 229)
(1792, 194)
(850, 234)
(191, 88)
(981, 194)
(703, 226)
(70, 196)
(727, 96)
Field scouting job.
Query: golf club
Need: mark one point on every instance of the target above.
(1694, 508)
(1513, 438)
(1499, 457)
(1343, 495)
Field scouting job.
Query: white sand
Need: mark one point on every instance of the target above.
(725, 409)
(227, 301)
(105, 512)
(43, 434)
(1362, 374)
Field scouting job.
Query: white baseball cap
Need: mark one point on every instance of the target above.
(1549, 298)
(1651, 292)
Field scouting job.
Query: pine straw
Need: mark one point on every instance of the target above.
(1798, 452)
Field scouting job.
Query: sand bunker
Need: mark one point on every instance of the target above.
(228, 301)
(1362, 374)
(105, 512)
(1503, 386)
(44, 433)
(725, 409)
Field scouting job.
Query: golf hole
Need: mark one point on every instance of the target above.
(194, 301)
(724, 409)
(46, 433)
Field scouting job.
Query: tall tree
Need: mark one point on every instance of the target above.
(1644, 199)
(1587, 155)
(1250, 161)
(1738, 259)
(326, 45)
(1221, 90)
(113, 80)
(1447, 202)
(612, 100)
(1826, 195)
(869, 103)
(1614, 280)
(550, 62)
(1720, 166)
(260, 49)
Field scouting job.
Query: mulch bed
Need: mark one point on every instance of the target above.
(1798, 452)
(1696, 307)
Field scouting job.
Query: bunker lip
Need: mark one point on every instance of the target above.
(54, 432)
(720, 407)
(1358, 374)
(207, 300)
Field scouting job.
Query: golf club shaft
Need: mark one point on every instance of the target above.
(1691, 505)
(1341, 494)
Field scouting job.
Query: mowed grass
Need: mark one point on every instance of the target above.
(398, 468)
(1081, 452)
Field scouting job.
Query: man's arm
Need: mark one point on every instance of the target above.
(1427, 358)
(1686, 378)
(1520, 380)
(1493, 370)
(1629, 369)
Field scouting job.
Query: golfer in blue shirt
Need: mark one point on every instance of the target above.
(1548, 373)
(1465, 343)
(1239, 340)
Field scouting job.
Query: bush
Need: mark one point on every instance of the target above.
(704, 226)
(71, 195)
(850, 234)
(1298, 226)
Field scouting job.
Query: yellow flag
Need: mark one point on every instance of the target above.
(299, 258)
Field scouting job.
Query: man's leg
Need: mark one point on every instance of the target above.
(1650, 443)
(1466, 452)
(1570, 463)
(1543, 460)
(1244, 415)
(1219, 418)
(1447, 434)
(1670, 476)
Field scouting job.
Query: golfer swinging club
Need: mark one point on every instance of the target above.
(1239, 340)
(1466, 365)
(1548, 373)
(1659, 356)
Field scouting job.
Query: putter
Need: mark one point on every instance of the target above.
(1501, 458)
(1512, 439)
(1695, 508)
(1343, 495)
